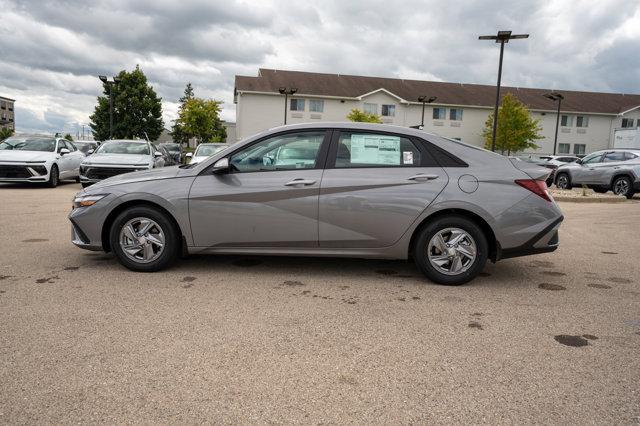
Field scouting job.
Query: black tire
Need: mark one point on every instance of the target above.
(54, 177)
(563, 181)
(172, 244)
(441, 224)
(86, 184)
(549, 182)
(622, 185)
(77, 179)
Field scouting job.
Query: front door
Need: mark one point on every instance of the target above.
(374, 187)
(585, 174)
(269, 197)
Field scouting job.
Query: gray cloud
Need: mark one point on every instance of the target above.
(52, 51)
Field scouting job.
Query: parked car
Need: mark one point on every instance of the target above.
(558, 160)
(44, 159)
(169, 159)
(372, 191)
(86, 146)
(616, 170)
(205, 150)
(175, 149)
(542, 162)
(116, 157)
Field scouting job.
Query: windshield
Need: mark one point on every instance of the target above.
(29, 144)
(135, 148)
(208, 150)
(171, 147)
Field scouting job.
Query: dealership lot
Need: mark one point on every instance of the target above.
(550, 338)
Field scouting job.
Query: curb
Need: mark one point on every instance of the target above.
(591, 199)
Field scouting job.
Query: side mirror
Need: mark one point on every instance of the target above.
(90, 152)
(157, 154)
(64, 151)
(189, 154)
(578, 161)
(221, 166)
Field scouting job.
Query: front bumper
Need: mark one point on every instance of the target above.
(24, 172)
(87, 223)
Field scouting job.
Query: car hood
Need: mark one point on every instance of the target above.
(117, 159)
(144, 175)
(10, 155)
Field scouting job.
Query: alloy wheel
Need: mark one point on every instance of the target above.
(563, 182)
(621, 187)
(142, 240)
(452, 251)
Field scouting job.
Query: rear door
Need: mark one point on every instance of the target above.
(603, 172)
(374, 187)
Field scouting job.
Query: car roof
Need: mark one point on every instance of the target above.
(126, 140)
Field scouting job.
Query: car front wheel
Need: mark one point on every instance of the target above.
(563, 181)
(144, 239)
(623, 186)
(54, 177)
(451, 250)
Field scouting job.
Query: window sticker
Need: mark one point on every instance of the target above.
(407, 157)
(375, 149)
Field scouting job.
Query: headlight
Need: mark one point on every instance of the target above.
(87, 200)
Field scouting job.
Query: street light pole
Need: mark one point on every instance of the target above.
(555, 96)
(425, 101)
(110, 85)
(286, 92)
(502, 37)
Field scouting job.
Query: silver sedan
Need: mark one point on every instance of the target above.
(328, 189)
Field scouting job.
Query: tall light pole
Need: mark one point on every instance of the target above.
(555, 96)
(424, 100)
(286, 92)
(502, 37)
(110, 85)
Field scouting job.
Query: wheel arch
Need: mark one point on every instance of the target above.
(474, 217)
(111, 217)
(617, 175)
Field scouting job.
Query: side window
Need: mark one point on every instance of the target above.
(376, 150)
(592, 159)
(283, 152)
(630, 156)
(613, 156)
(71, 146)
(61, 145)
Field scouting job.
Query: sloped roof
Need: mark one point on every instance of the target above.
(353, 86)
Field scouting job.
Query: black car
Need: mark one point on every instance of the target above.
(175, 149)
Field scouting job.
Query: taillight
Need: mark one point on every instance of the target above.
(538, 187)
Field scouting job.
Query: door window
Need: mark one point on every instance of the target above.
(376, 150)
(283, 152)
(593, 158)
(61, 145)
(613, 156)
(630, 156)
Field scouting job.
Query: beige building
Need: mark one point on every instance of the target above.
(588, 119)
(7, 117)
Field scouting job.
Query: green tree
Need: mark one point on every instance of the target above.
(364, 117)
(137, 109)
(200, 118)
(516, 130)
(177, 132)
(68, 137)
(5, 133)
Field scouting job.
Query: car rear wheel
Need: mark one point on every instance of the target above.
(451, 250)
(563, 181)
(144, 239)
(54, 177)
(623, 186)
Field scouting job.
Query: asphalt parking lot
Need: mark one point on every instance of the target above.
(553, 338)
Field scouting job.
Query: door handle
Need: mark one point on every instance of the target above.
(300, 181)
(422, 177)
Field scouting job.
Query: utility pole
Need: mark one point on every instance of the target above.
(502, 37)
(425, 101)
(110, 85)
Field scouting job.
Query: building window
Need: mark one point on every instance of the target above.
(297, 105)
(316, 105)
(564, 148)
(388, 110)
(3, 105)
(455, 114)
(579, 149)
(371, 108)
(627, 122)
(439, 113)
(566, 121)
(582, 121)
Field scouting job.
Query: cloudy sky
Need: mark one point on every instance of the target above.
(52, 51)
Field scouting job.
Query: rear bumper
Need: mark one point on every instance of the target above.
(545, 241)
